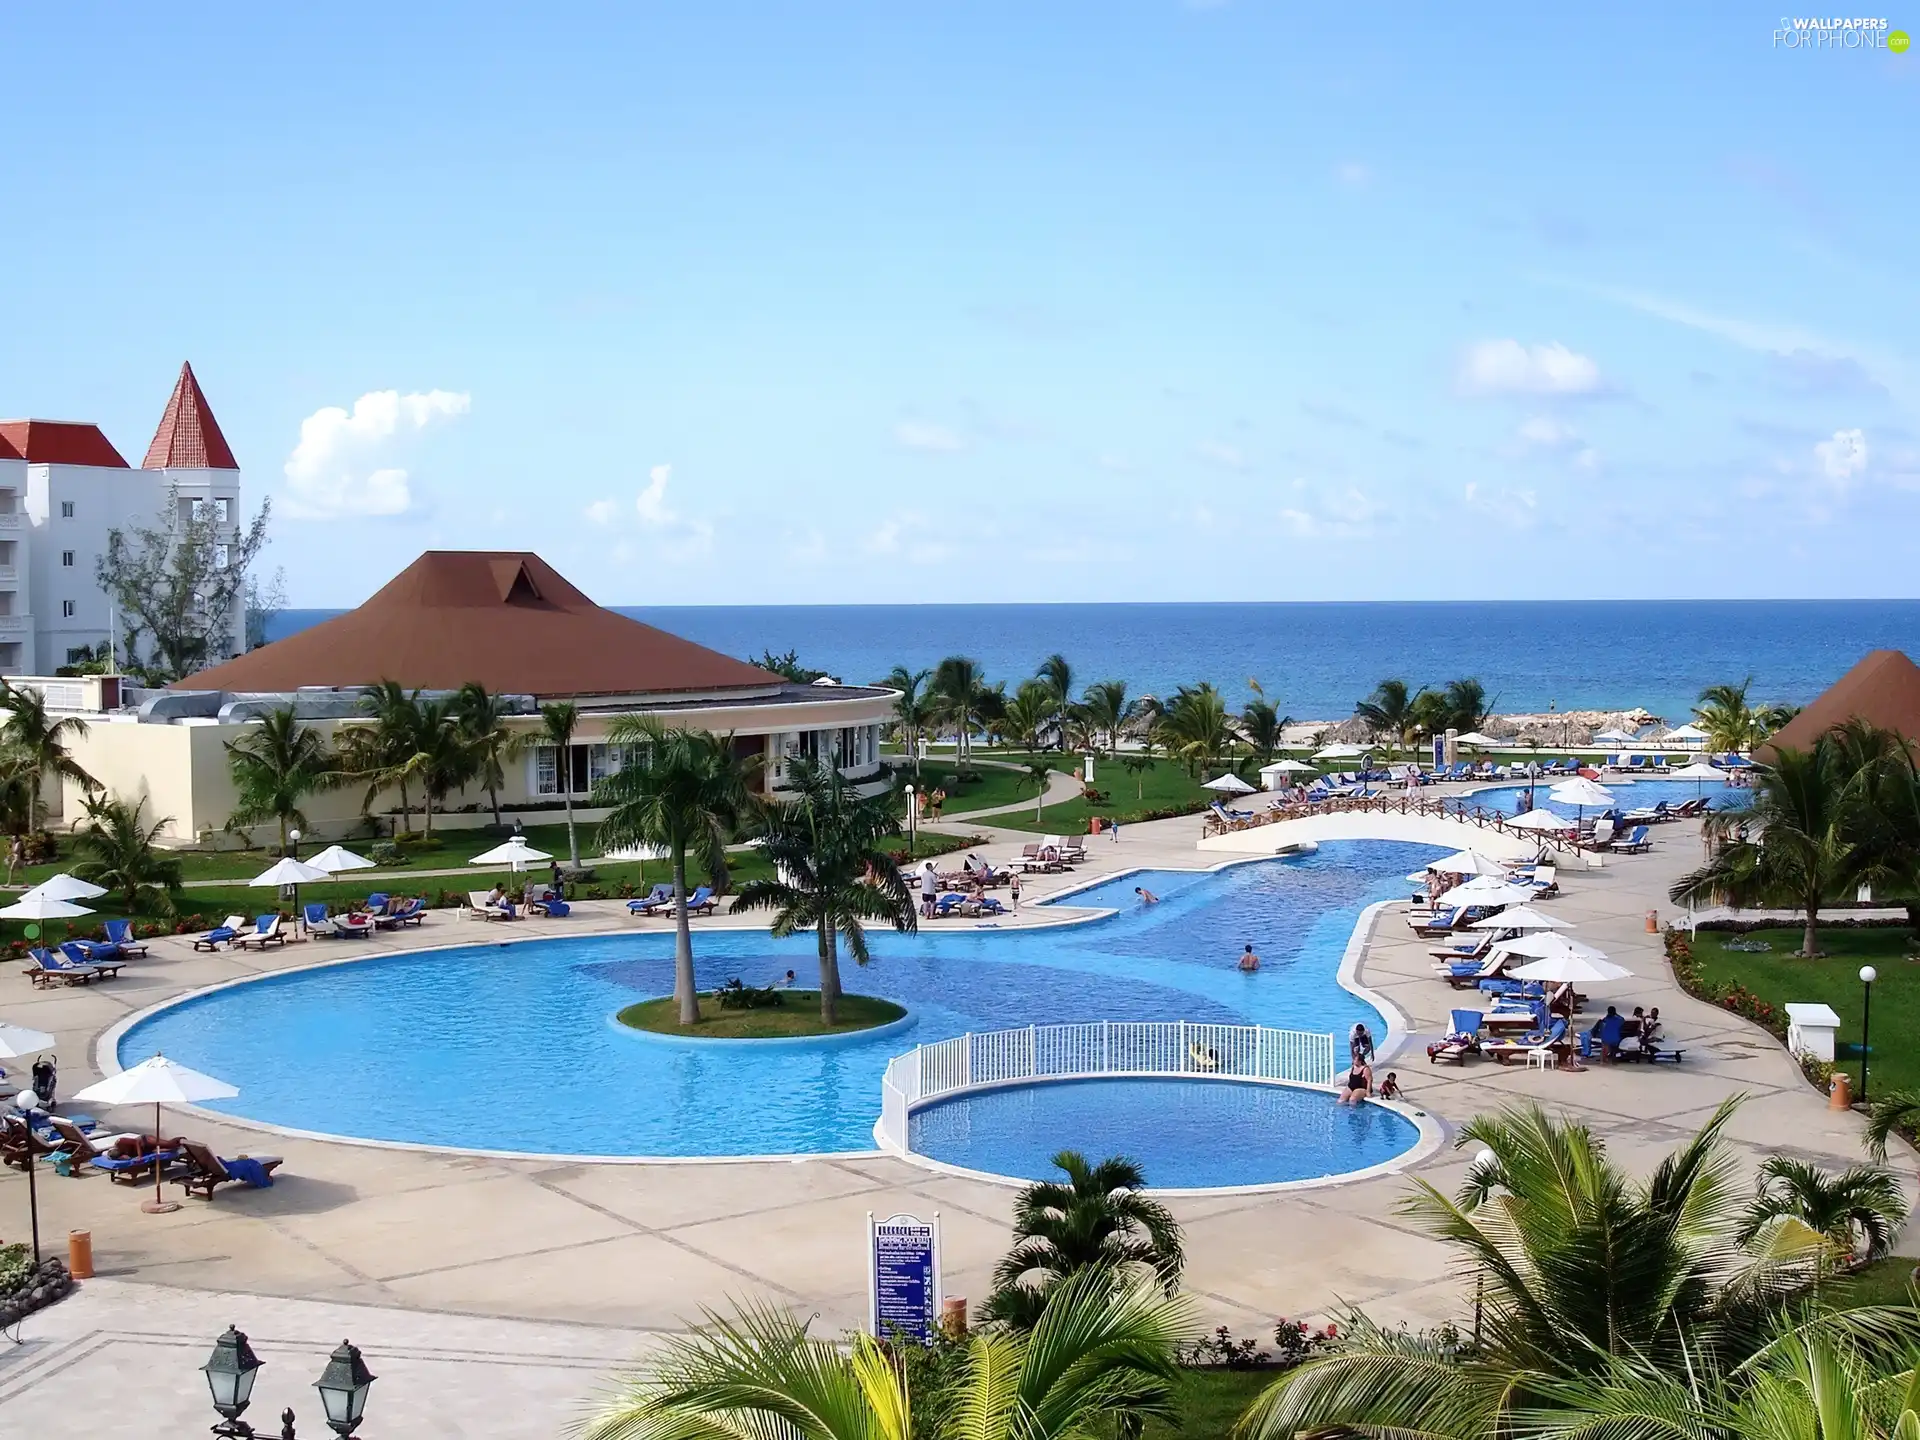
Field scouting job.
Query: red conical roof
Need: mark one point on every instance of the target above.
(1883, 689)
(189, 437)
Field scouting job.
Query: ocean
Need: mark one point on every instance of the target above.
(1315, 660)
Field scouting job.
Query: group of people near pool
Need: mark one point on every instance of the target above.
(1359, 1082)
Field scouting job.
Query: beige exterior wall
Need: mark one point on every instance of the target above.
(180, 770)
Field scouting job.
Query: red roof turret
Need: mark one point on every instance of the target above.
(189, 437)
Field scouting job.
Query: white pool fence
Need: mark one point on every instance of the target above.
(1101, 1047)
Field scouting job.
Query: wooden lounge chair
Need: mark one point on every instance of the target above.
(225, 933)
(480, 903)
(97, 1151)
(266, 931)
(45, 967)
(120, 936)
(204, 1172)
(412, 912)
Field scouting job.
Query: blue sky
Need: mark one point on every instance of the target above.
(780, 303)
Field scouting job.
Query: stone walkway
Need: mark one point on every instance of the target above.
(421, 1238)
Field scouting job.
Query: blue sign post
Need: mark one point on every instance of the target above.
(903, 1277)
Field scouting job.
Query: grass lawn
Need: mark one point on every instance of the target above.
(1884, 1282)
(984, 787)
(1209, 1401)
(1167, 786)
(798, 1014)
(1776, 976)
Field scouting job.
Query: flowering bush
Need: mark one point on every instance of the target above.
(1296, 1340)
(1221, 1349)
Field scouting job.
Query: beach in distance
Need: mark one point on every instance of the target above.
(1315, 660)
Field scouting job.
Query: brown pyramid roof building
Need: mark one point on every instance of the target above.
(503, 618)
(1883, 689)
(189, 437)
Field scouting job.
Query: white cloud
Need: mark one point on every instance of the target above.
(1507, 367)
(1347, 512)
(909, 534)
(674, 531)
(334, 472)
(930, 438)
(1842, 457)
(1221, 453)
(602, 512)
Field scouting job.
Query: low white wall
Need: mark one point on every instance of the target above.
(1372, 825)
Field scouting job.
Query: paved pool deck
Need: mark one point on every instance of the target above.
(569, 1267)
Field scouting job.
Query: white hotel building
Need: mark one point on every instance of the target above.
(63, 486)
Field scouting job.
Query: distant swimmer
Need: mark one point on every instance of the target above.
(1147, 897)
(1249, 961)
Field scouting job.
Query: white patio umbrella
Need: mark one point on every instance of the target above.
(158, 1081)
(16, 1041)
(1229, 784)
(1698, 771)
(1615, 737)
(1290, 766)
(67, 887)
(43, 907)
(292, 873)
(1486, 891)
(1469, 862)
(1475, 739)
(1522, 917)
(1571, 967)
(1338, 752)
(336, 858)
(1688, 734)
(1545, 944)
(516, 855)
(1580, 792)
(1540, 820)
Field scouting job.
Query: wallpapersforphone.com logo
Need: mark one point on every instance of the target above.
(1812, 33)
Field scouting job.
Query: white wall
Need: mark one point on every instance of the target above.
(17, 655)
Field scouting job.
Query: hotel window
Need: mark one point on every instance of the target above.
(66, 609)
(79, 654)
(219, 557)
(66, 558)
(66, 509)
(222, 510)
(546, 775)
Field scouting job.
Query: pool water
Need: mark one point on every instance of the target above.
(1641, 794)
(1184, 1134)
(513, 1047)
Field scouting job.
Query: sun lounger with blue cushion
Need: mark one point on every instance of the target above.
(222, 934)
(658, 898)
(120, 936)
(377, 902)
(411, 913)
(47, 966)
(1461, 1040)
(1553, 1038)
(266, 931)
(206, 1172)
(702, 899)
(90, 952)
(1634, 842)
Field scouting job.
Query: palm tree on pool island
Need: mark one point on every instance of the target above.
(681, 791)
(831, 873)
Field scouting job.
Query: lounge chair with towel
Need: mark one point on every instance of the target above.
(120, 936)
(1461, 1040)
(222, 934)
(656, 899)
(345, 927)
(701, 900)
(97, 1150)
(46, 966)
(266, 931)
(91, 952)
(409, 912)
(206, 1172)
(1551, 1042)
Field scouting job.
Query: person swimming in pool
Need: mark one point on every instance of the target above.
(1249, 961)
(1147, 897)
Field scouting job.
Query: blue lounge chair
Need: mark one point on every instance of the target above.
(948, 903)
(1636, 842)
(216, 937)
(702, 899)
(90, 952)
(660, 896)
(411, 913)
(1636, 762)
(266, 931)
(1550, 1038)
(47, 966)
(120, 936)
(377, 902)
(554, 908)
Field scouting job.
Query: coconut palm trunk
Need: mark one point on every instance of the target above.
(686, 998)
(573, 836)
(829, 973)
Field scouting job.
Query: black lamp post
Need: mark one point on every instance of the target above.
(233, 1367)
(1867, 976)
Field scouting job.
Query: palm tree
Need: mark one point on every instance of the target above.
(1796, 845)
(957, 697)
(483, 722)
(684, 792)
(40, 743)
(1097, 1219)
(1858, 1211)
(912, 710)
(444, 757)
(1467, 705)
(558, 721)
(1039, 774)
(831, 872)
(1195, 726)
(1136, 764)
(275, 767)
(378, 753)
(1732, 722)
(1389, 712)
(117, 851)
(1261, 725)
(1101, 1358)
(1580, 1266)
(1057, 675)
(1029, 714)
(1108, 709)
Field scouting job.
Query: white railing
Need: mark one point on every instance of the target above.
(1101, 1047)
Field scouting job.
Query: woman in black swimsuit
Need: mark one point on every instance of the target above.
(1359, 1083)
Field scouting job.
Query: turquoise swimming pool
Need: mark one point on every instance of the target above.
(512, 1047)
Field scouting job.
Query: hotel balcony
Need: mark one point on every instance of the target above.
(12, 520)
(15, 625)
